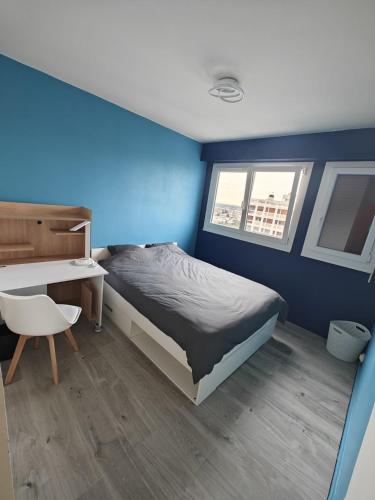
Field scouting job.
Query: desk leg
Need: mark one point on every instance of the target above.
(98, 282)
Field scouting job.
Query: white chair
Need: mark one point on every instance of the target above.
(37, 316)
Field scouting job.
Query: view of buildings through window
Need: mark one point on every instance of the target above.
(268, 205)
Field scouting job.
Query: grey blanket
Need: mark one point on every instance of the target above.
(206, 310)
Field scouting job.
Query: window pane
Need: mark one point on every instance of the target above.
(269, 203)
(350, 214)
(229, 197)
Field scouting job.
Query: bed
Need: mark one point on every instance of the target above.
(196, 322)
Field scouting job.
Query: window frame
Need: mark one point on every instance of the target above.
(364, 262)
(296, 201)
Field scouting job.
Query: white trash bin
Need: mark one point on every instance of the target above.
(347, 340)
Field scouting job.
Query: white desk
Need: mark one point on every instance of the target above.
(38, 275)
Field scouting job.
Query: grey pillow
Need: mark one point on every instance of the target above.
(113, 249)
(150, 245)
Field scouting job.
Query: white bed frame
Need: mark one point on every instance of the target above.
(166, 354)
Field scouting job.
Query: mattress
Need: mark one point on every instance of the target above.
(205, 309)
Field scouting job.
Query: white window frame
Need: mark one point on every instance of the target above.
(296, 202)
(364, 262)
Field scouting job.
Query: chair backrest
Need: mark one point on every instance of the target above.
(32, 315)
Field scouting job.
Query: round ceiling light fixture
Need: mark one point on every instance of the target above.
(227, 89)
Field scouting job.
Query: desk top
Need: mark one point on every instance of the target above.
(17, 276)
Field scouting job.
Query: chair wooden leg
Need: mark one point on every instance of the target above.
(72, 341)
(51, 342)
(16, 357)
(36, 342)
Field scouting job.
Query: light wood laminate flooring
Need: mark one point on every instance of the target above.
(116, 428)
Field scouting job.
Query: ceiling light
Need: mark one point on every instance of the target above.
(227, 89)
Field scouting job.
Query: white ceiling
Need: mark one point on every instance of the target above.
(305, 65)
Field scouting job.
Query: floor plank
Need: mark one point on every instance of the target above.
(116, 428)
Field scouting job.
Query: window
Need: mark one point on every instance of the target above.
(249, 201)
(229, 197)
(342, 226)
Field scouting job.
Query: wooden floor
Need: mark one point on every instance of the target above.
(115, 428)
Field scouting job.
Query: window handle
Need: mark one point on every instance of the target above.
(372, 253)
(371, 274)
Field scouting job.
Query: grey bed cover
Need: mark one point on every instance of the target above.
(206, 310)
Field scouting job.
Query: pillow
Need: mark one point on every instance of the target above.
(114, 249)
(150, 245)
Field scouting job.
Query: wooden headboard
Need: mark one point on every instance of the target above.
(34, 233)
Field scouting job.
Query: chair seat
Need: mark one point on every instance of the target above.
(37, 316)
(71, 313)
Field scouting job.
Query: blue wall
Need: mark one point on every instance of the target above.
(359, 412)
(61, 145)
(316, 291)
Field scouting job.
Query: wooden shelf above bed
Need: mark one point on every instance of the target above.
(16, 247)
(66, 232)
(37, 233)
(47, 258)
(30, 211)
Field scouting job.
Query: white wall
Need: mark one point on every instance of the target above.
(362, 483)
